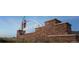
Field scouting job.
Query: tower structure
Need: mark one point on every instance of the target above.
(23, 26)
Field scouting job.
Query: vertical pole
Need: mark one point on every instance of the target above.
(23, 23)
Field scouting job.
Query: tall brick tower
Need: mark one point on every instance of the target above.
(21, 31)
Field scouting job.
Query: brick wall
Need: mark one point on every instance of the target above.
(53, 31)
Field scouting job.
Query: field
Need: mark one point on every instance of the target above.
(7, 40)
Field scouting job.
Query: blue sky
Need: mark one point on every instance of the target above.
(10, 24)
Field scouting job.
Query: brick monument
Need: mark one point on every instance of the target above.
(53, 31)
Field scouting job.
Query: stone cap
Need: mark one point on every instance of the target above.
(53, 20)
